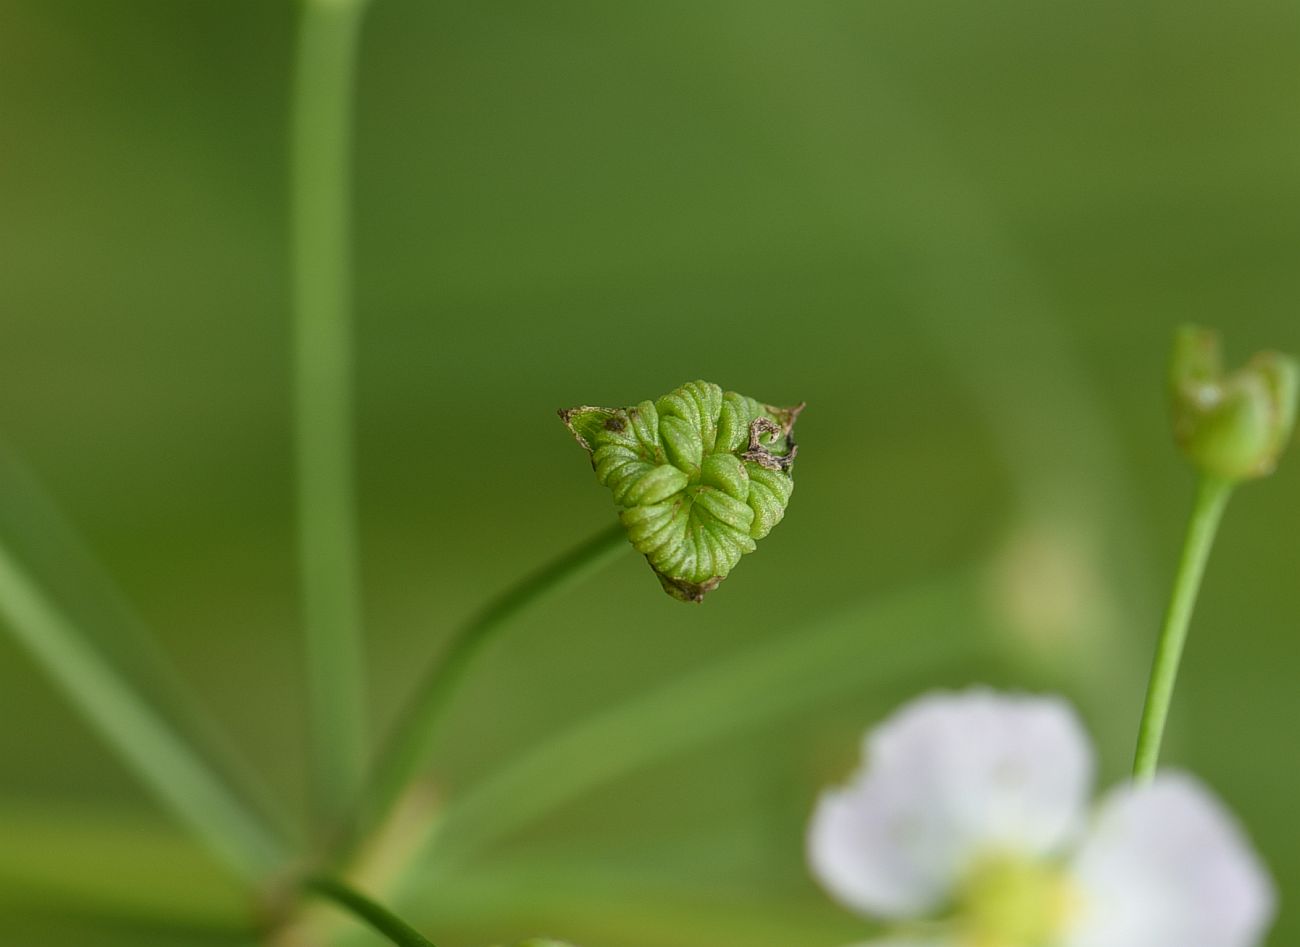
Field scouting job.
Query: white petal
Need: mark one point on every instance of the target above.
(948, 777)
(1167, 864)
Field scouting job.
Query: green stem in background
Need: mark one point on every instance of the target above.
(147, 742)
(376, 915)
(1211, 497)
(408, 748)
(323, 93)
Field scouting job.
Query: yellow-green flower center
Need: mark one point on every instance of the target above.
(1011, 901)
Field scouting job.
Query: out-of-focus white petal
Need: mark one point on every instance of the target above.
(1167, 866)
(948, 777)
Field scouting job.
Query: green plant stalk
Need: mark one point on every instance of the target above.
(160, 758)
(376, 915)
(1211, 498)
(412, 739)
(321, 153)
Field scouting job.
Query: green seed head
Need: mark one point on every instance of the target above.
(698, 476)
(1232, 426)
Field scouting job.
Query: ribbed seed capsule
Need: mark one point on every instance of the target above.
(698, 476)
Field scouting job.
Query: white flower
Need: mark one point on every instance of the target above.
(969, 821)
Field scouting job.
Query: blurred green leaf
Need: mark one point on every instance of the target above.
(145, 740)
(933, 625)
(591, 904)
(112, 863)
(54, 555)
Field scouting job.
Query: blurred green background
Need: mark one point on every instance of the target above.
(961, 232)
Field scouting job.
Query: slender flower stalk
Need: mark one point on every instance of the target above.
(323, 94)
(1231, 427)
(376, 915)
(1211, 499)
(408, 748)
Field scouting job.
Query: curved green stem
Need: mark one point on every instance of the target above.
(374, 914)
(1211, 497)
(329, 31)
(413, 736)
